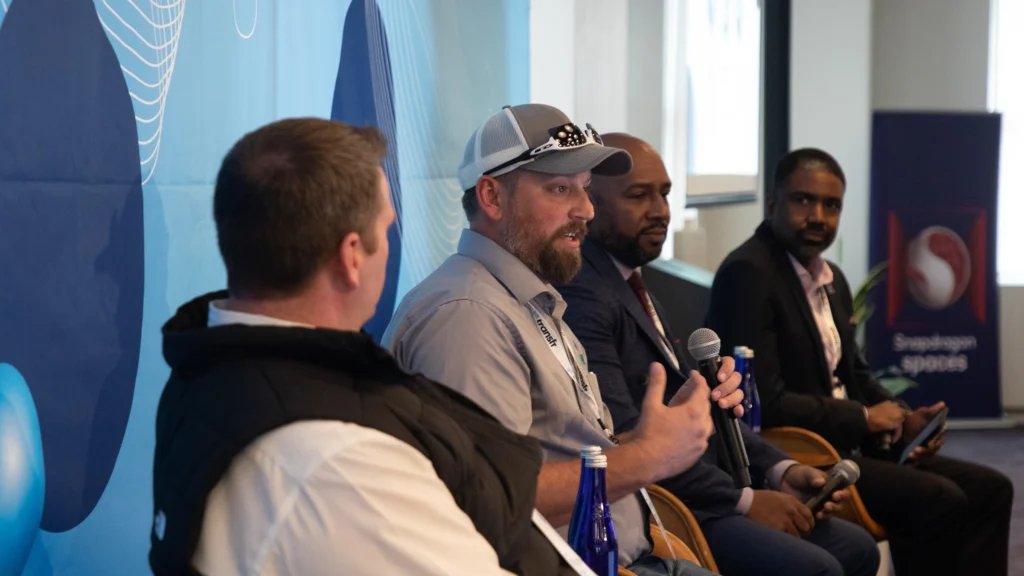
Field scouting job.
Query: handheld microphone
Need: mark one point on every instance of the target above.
(705, 346)
(843, 475)
(885, 441)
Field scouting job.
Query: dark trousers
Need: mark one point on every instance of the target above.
(942, 516)
(742, 547)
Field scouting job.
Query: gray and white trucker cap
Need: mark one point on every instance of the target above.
(539, 138)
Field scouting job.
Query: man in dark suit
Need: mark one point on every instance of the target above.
(751, 532)
(776, 294)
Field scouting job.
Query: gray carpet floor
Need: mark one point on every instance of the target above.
(1004, 451)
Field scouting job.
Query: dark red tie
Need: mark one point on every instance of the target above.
(637, 284)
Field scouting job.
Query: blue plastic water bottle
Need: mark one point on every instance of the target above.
(752, 403)
(591, 533)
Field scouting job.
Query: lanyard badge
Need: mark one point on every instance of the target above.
(574, 363)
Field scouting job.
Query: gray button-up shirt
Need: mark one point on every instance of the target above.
(469, 325)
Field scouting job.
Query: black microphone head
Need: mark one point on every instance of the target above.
(848, 469)
(704, 344)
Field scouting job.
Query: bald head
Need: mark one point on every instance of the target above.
(640, 151)
(627, 142)
(631, 213)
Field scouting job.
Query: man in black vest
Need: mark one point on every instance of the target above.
(287, 441)
(778, 295)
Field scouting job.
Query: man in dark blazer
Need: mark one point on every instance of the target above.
(776, 294)
(749, 531)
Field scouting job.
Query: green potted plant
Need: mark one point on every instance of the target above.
(891, 377)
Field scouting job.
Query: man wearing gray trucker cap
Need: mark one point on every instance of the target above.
(488, 323)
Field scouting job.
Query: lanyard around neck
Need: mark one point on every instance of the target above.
(584, 390)
(573, 364)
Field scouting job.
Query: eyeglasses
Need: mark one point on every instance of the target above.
(564, 137)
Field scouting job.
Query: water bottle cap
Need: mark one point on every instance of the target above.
(739, 351)
(597, 461)
(589, 451)
(750, 352)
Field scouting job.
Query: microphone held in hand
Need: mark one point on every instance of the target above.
(843, 475)
(885, 441)
(705, 346)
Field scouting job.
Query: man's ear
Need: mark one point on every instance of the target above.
(489, 197)
(769, 203)
(349, 260)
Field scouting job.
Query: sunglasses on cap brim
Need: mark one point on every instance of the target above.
(563, 137)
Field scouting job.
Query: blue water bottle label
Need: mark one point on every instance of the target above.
(755, 411)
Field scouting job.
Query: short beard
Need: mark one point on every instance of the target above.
(806, 251)
(539, 254)
(625, 249)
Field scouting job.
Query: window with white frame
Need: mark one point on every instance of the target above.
(724, 63)
(683, 75)
(1006, 96)
(713, 78)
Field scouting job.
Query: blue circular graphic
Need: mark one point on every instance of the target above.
(22, 478)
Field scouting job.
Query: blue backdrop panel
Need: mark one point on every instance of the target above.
(72, 254)
(933, 212)
(364, 96)
(114, 117)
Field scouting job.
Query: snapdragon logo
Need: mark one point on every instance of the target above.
(939, 267)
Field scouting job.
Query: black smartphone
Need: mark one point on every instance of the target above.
(927, 434)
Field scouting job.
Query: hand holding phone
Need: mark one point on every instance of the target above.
(932, 429)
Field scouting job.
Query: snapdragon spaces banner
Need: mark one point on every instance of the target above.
(933, 213)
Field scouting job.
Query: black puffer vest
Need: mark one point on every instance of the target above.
(231, 384)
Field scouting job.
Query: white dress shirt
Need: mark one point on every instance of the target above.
(323, 497)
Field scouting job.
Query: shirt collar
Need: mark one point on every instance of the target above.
(524, 285)
(626, 271)
(818, 276)
(220, 316)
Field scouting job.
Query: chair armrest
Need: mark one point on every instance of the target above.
(804, 446)
(679, 549)
(679, 522)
